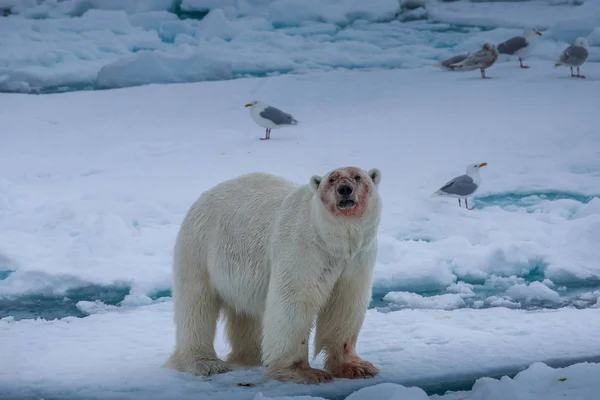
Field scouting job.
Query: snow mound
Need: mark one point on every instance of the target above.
(533, 292)
(389, 391)
(162, 67)
(537, 382)
(448, 301)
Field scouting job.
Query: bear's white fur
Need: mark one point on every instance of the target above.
(273, 255)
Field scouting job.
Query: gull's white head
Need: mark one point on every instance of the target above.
(582, 42)
(489, 46)
(474, 168)
(531, 32)
(255, 104)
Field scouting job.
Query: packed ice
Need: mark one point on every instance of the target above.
(55, 46)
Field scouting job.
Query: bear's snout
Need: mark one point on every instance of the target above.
(345, 196)
(344, 190)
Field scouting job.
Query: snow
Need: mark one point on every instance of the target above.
(534, 291)
(161, 67)
(447, 301)
(59, 46)
(389, 391)
(113, 352)
(95, 184)
(102, 193)
(538, 382)
(511, 14)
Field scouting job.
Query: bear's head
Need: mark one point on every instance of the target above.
(347, 191)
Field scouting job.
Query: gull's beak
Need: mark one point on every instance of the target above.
(248, 105)
(538, 33)
(483, 164)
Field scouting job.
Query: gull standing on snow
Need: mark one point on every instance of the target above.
(520, 46)
(574, 56)
(482, 59)
(447, 63)
(462, 186)
(269, 117)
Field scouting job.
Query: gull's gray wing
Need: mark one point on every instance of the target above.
(512, 45)
(479, 59)
(447, 63)
(574, 55)
(277, 116)
(461, 185)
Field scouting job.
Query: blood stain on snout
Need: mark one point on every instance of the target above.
(360, 188)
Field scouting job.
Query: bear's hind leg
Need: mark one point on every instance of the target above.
(197, 307)
(338, 326)
(244, 332)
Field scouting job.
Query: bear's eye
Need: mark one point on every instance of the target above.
(331, 180)
(357, 177)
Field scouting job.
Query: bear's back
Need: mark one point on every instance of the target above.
(245, 203)
(229, 227)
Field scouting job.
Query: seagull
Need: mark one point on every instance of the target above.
(520, 46)
(269, 117)
(447, 63)
(574, 56)
(462, 186)
(482, 59)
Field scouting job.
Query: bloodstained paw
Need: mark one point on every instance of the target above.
(301, 374)
(313, 375)
(355, 370)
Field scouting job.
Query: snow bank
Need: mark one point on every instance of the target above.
(533, 292)
(76, 8)
(162, 67)
(537, 382)
(53, 53)
(389, 391)
(63, 45)
(415, 301)
(294, 12)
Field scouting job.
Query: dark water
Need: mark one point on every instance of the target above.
(50, 306)
(5, 273)
(528, 199)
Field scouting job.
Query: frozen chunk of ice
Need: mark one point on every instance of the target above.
(162, 67)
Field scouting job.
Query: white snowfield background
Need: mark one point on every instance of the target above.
(94, 185)
(56, 45)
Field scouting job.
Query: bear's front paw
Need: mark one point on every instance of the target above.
(355, 369)
(300, 374)
(207, 366)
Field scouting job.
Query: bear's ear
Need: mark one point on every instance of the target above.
(315, 181)
(375, 175)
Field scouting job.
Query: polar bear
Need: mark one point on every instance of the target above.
(273, 256)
